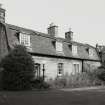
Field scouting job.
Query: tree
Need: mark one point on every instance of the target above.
(18, 69)
(101, 72)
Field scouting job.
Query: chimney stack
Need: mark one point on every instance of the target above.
(2, 14)
(53, 30)
(69, 35)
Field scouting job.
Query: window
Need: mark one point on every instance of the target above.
(59, 47)
(2, 20)
(60, 69)
(74, 50)
(90, 52)
(70, 47)
(87, 49)
(2, 14)
(24, 39)
(76, 68)
(53, 43)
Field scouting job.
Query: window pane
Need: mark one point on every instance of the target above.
(74, 50)
(90, 52)
(2, 14)
(24, 39)
(60, 69)
(76, 68)
(59, 47)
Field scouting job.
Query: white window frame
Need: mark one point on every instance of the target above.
(25, 39)
(59, 47)
(2, 14)
(91, 53)
(76, 68)
(74, 50)
(60, 68)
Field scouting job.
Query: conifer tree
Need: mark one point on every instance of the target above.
(18, 69)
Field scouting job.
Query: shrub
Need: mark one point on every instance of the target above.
(18, 69)
(39, 84)
(101, 73)
(78, 80)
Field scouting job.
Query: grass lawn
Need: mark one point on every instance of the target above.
(54, 97)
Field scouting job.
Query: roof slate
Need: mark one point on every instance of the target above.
(43, 44)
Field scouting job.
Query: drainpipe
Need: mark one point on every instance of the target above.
(82, 65)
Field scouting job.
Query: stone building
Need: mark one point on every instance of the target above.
(57, 56)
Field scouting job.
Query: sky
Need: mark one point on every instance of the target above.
(86, 18)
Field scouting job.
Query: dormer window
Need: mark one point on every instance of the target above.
(59, 47)
(54, 44)
(74, 50)
(24, 39)
(89, 51)
(2, 14)
(70, 47)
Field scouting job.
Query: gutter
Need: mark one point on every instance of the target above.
(63, 57)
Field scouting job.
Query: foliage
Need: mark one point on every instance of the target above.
(18, 69)
(39, 83)
(78, 80)
(101, 73)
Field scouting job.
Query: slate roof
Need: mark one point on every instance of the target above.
(42, 44)
(3, 42)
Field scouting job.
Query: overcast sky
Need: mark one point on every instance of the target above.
(85, 17)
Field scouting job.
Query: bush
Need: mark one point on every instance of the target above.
(40, 84)
(18, 69)
(78, 80)
(101, 73)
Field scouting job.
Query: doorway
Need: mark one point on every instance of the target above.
(37, 70)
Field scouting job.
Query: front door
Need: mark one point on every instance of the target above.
(37, 70)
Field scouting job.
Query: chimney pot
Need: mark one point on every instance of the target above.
(2, 14)
(69, 35)
(0, 5)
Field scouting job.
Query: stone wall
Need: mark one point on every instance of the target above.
(51, 65)
(90, 65)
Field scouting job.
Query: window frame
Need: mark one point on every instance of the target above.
(25, 39)
(76, 67)
(74, 50)
(60, 68)
(37, 67)
(70, 47)
(59, 47)
(2, 14)
(91, 53)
